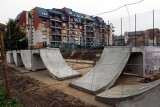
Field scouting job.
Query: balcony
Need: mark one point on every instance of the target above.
(55, 27)
(56, 19)
(55, 33)
(89, 24)
(55, 40)
(89, 30)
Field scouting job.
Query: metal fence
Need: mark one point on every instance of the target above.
(137, 30)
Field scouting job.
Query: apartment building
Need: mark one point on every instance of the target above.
(147, 37)
(57, 26)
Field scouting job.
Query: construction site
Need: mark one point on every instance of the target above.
(72, 59)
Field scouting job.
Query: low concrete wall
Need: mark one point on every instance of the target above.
(142, 95)
(147, 99)
(10, 58)
(17, 58)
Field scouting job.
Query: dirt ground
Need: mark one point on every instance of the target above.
(33, 93)
(40, 89)
(44, 77)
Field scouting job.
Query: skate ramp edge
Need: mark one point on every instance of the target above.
(105, 72)
(56, 65)
(122, 95)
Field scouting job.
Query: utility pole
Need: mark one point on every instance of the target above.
(4, 65)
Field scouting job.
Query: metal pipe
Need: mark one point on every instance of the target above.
(121, 32)
(153, 28)
(4, 65)
(135, 30)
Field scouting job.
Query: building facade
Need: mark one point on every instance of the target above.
(147, 37)
(57, 26)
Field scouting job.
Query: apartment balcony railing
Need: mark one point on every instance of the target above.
(56, 19)
(56, 40)
(89, 30)
(55, 33)
(56, 27)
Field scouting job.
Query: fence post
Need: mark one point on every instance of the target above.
(4, 65)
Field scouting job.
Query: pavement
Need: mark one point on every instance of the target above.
(134, 95)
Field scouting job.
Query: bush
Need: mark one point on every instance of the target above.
(4, 102)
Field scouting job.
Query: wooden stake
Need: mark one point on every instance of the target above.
(4, 65)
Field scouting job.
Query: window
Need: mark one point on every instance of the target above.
(64, 31)
(76, 32)
(63, 18)
(71, 19)
(80, 33)
(70, 12)
(76, 26)
(64, 24)
(80, 27)
(23, 25)
(75, 20)
(44, 21)
(44, 29)
(44, 13)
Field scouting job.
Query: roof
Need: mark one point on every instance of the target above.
(69, 11)
(58, 12)
(78, 17)
(43, 12)
(55, 11)
(137, 33)
(18, 16)
(99, 20)
(118, 37)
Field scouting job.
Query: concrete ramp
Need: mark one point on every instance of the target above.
(32, 60)
(105, 72)
(10, 58)
(56, 65)
(142, 95)
(17, 58)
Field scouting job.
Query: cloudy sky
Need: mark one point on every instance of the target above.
(10, 8)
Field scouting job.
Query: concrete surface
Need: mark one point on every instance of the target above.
(32, 60)
(44, 77)
(9, 56)
(17, 57)
(56, 65)
(152, 58)
(105, 72)
(136, 62)
(132, 95)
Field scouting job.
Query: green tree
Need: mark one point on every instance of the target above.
(14, 37)
(2, 27)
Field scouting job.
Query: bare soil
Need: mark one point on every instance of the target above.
(33, 93)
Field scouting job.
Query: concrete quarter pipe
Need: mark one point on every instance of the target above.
(142, 95)
(17, 57)
(56, 65)
(32, 60)
(105, 72)
(9, 56)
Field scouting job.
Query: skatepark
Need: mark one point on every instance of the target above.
(100, 80)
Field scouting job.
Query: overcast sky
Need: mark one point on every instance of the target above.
(11, 8)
